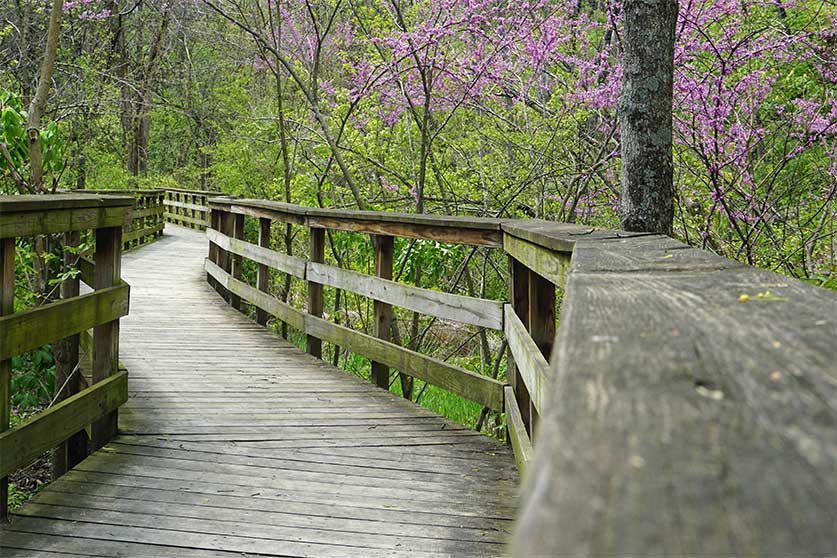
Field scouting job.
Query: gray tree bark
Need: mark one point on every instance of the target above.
(647, 203)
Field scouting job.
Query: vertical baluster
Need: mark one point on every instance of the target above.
(7, 294)
(541, 322)
(383, 311)
(236, 261)
(519, 295)
(106, 336)
(315, 290)
(263, 274)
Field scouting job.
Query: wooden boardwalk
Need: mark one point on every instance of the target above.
(236, 443)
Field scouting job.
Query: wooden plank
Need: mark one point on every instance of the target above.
(31, 223)
(520, 442)
(57, 202)
(7, 307)
(442, 228)
(141, 234)
(176, 218)
(263, 273)
(236, 231)
(28, 330)
(482, 389)
(383, 314)
(147, 212)
(549, 264)
(395, 227)
(464, 309)
(687, 404)
(519, 291)
(22, 444)
(275, 260)
(108, 260)
(269, 304)
(530, 364)
(184, 205)
(315, 290)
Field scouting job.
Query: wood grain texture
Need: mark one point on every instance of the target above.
(27, 330)
(271, 258)
(463, 309)
(530, 364)
(383, 314)
(27, 441)
(443, 228)
(242, 444)
(516, 429)
(681, 421)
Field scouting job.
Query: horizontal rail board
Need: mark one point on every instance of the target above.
(184, 205)
(441, 228)
(30, 223)
(472, 237)
(185, 219)
(24, 443)
(530, 363)
(271, 258)
(550, 265)
(133, 235)
(469, 310)
(210, 193)
(147, 212)
(482, 389)
(282, 310)
(30, 329)
(520, 442)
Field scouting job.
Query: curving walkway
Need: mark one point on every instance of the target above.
(236, 443)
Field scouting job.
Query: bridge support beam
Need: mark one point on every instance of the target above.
(106, 336)
(383, 311)
(315, 290)
(263, 274)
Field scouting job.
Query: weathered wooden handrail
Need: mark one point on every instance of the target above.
(224, 271)
(147, 218)
(63, 321)
(690, 402)
(187, 208)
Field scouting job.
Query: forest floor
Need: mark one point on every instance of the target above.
(26, 482)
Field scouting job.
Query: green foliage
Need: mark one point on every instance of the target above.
(33, 378)
(14, 138)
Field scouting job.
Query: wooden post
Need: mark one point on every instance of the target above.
(214, 254)
(315, 290)
(67, 370)
(106, 336)
(383, 311)
(7, 297)
(224, 260)
(160, 217)
(519, 295)
(263, 273)
(541, 322)
(235, 261)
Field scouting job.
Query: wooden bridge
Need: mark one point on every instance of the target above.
(689, 407)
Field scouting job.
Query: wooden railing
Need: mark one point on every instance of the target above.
(63, 423)
(187, 208)
(227, 248)
(147, 218)
(688, 407)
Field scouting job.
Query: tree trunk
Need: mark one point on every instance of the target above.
(645, 115)
(38, 104)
